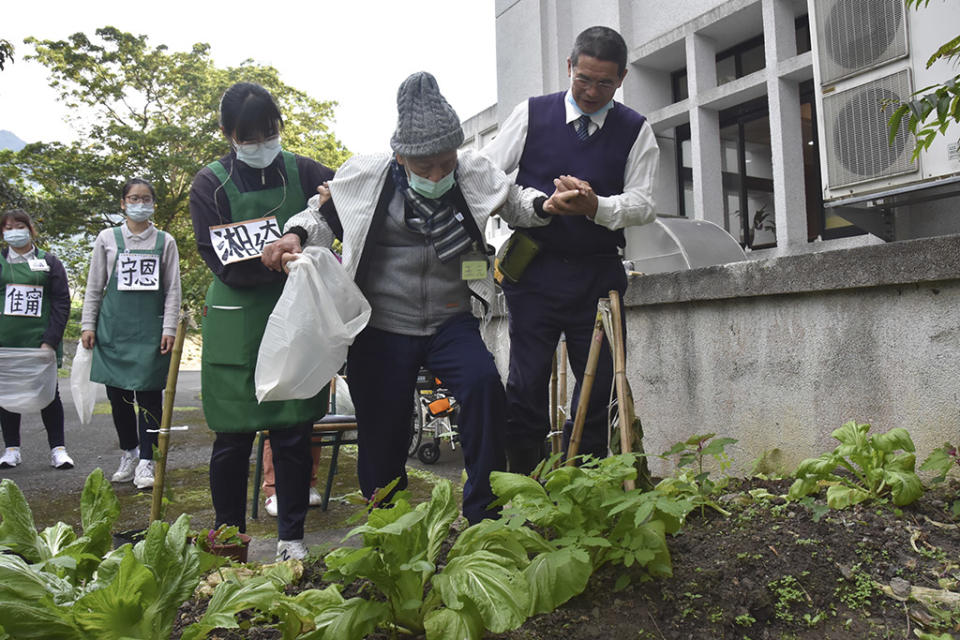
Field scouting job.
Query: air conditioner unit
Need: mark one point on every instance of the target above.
(870, 55)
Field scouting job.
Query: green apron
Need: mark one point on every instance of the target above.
(126, 352)
(26, 331)
(234, 322)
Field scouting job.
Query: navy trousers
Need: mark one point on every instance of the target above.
(558, 294)
(382, 369)
(293, 464)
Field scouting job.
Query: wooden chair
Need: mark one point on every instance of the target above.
(333, 430)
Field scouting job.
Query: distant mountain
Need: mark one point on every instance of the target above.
(9, 140)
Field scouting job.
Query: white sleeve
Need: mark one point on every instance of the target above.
(96, 282)
(310, 220)
(171, 280)
(635, 206)
(505, 150)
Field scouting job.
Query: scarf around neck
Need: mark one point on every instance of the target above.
(438, 220)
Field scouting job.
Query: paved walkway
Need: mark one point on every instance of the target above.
(95, 445)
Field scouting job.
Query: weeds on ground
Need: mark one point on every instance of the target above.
(691, 481)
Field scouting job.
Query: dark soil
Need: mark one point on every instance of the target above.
(769, 571)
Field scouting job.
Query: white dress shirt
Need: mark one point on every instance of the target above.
(634, 206)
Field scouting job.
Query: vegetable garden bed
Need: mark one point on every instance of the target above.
(854, 547)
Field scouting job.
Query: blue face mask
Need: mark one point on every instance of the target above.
(429, 188)
(139, 211)
(602, 109)
(258, 155)
(17, 238)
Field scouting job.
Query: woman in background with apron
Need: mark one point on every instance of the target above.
(25, 271)
(130, 312)
(239, 203)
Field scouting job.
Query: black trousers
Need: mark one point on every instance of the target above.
(132, 425)
(559, 295)
(52, 416)
(383, 366)
(230, 470)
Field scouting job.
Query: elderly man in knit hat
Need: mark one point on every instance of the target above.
(412, 227)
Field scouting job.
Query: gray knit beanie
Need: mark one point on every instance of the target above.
(426, 123)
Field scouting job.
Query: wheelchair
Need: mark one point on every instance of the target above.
(434, 419)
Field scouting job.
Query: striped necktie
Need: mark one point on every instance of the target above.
(583, 127)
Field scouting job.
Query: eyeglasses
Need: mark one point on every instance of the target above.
(272, 138)
(136, 199)
(583, 82)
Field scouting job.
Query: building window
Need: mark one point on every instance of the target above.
(747, 166)
(746, 163)
(678, 81)
(802, 26)
(684, 170)
(740, 60)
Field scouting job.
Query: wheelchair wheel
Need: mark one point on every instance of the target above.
(429, 452)
(416, 430)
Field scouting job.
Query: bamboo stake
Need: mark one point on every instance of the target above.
(620, 376)
(593, 357)
(561, 415)
(163, 438)
(554, 407)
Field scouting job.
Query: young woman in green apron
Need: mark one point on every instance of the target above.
(238, 203)
(26, 274)
(130, 313)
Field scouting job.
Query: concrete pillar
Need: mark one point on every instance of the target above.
(520, 37)
(786, 134)
(704, 131)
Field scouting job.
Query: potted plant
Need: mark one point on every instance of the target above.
(225, 541)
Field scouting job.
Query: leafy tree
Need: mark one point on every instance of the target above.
(6, 52)
(940, 100)
(142, 110)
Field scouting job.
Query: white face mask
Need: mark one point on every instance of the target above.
(258, 154)
(139, 211)
(428, 188)
(17, 238)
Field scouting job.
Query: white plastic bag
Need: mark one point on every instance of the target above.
(344, 401)
(83, 390)
(305, 343)
(28, 379)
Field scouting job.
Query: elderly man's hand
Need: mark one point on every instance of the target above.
(573, 197)
(273, 253)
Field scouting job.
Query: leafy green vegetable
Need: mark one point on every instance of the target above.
(59, 585)
(17, 531)
(586, 509)
(482, 585)
(862, 468)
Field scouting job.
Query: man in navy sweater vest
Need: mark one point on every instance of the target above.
(611, 149)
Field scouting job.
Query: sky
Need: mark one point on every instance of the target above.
(356, 53)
